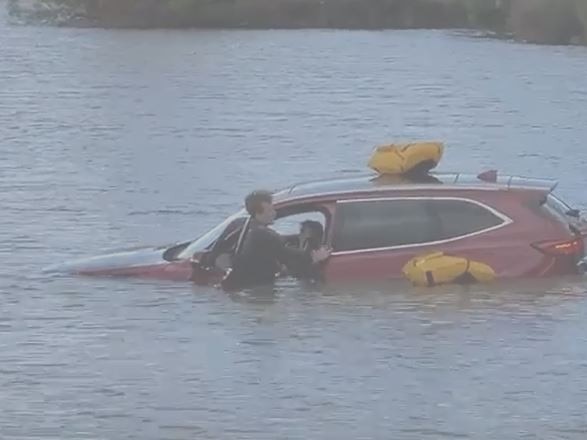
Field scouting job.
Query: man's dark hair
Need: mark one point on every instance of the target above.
(255, 199)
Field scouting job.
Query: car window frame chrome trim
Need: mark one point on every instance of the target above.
(506, 221)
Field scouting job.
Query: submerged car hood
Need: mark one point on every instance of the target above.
(136, 257)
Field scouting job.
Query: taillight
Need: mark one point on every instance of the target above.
(572, 247)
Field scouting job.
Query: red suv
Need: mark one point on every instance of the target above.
(377, 224)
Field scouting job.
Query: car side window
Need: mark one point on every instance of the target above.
(373, 224)
(290, 225)
(460, 217)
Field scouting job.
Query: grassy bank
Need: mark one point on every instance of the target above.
(549, 21)
(540, 21)
(361, 14)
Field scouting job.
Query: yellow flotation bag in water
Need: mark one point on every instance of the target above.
(418, 157)
(437, 268)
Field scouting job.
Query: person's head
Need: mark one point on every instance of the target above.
(259, 205)
(312, 231)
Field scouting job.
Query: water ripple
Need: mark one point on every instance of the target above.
(112, 139)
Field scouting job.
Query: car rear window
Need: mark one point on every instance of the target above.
(557, 205)
(373, 224)
(553, 207)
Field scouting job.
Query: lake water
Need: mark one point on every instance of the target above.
(110, 139)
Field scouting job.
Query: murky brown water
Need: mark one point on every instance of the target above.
(110, 139)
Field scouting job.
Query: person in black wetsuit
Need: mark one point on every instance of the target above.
(262, 253)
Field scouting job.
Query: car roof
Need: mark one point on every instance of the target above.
(374, 183)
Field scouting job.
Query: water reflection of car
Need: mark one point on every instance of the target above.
(376, 224)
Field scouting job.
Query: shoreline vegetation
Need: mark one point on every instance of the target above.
(559, 22)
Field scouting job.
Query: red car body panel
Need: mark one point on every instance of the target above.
(166, 270)
(507, 249)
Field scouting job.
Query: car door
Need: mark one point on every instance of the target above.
(374, 238)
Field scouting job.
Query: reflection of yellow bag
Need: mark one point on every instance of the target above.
(436, 268)
(405, 158)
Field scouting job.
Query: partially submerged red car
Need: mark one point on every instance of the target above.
(377, 223)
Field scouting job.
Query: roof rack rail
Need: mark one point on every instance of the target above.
(511, 181)
(356, 182)
(348, 176)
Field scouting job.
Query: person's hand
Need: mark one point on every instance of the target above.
(321, 254)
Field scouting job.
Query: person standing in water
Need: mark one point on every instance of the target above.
(262, 252)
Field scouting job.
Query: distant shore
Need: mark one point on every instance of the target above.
(536, 21)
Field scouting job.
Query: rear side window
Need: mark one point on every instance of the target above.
(459, 217)
(372, 224)
(382, 223)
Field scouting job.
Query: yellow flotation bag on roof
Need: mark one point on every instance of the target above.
(437, 268)
(406, 158)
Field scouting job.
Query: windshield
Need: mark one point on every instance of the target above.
(211, 236)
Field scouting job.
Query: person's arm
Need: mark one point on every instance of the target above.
(278, 248)
(293, 256)
(291, 240)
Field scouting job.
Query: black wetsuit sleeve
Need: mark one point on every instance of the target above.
(264, 248)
